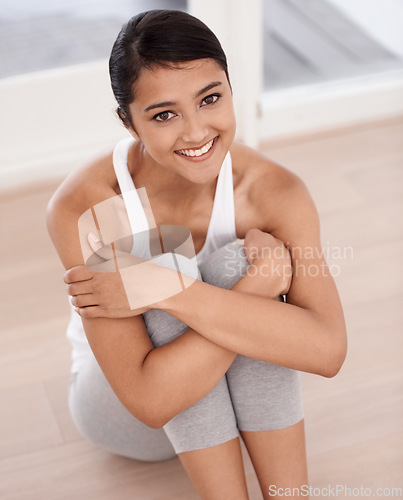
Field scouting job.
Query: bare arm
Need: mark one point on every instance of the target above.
(153, 384)
(307, 333)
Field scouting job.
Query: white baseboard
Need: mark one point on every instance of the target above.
(325, 106)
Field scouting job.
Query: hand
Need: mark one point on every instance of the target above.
(96, 293)
(99, 291)
(270, 262)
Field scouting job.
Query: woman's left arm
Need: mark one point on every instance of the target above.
(308, 332)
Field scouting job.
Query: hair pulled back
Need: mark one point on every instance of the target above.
(158, 38)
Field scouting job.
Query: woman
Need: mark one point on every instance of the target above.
(209, 363)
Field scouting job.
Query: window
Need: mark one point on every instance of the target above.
(311, 41)
(47, 34)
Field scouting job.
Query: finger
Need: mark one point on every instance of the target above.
(78, 273)
(89, 312)
(83, 300)
(80, 287)
(250, 252)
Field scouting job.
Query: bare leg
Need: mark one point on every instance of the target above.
(279, 459)
(217, 472)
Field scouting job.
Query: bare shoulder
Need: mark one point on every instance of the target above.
(82, 189)
(85, 185)
(281, 203)
(263, 174)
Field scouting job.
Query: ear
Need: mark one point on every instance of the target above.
(126, 122)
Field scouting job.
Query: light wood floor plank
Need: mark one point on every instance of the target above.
(375, 463)
(27, 421)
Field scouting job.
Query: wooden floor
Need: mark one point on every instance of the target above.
(354, 422)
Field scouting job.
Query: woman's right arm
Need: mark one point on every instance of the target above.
(154, 384)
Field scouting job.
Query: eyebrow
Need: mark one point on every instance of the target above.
(172, 103)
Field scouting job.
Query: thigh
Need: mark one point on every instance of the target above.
(161, 326)
(207, 423)
(264, 396)
(101, 417)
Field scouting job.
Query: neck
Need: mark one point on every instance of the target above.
(167, 186)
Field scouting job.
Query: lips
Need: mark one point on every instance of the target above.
(193, 152)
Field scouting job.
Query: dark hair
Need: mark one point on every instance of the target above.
(158, 38)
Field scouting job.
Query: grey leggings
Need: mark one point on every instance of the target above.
(252, 395)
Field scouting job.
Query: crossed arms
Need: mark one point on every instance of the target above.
(307, 333)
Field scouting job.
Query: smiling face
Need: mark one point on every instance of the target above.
(184, 117)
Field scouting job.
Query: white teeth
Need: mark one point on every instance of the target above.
(197, 152)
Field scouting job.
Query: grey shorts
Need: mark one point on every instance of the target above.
(252, 395)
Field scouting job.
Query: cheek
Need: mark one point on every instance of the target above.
(227, 120)
(227, 115)
(158, 139)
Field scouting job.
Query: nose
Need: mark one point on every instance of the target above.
(195, 130)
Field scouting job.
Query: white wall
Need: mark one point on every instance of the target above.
(54, 120)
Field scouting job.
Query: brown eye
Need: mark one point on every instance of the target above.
(164, 116)
(211, 99)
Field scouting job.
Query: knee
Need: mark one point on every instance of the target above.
(225, 266)
(206, 423)
(162, 327)
(264, 396)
